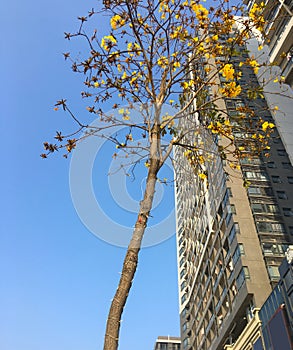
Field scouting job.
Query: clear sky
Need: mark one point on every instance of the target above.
(57, 278)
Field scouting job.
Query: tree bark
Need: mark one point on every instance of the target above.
(131, 260)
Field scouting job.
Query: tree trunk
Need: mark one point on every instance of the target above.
(131, 260)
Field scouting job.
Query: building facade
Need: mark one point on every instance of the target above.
(167, 343)
(271, 327)
(231, 239)
(279, 33)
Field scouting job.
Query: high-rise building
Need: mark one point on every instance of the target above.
(279, 33)
(232, 239)
(167, 343)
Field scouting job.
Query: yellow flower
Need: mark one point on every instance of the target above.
(96, 84)
(184, 84)
(108, 42)
(163, 62)
(266, 125)
(117, 21)
(231, 89)
(200, 11)
(228, 72)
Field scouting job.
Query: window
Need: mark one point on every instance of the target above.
(264, 208)
(257, 208)
(261, 176)
(282, 195)
(229, 192)
(271, 164)
(246, 272)
(182, 273)
(281, 152)
(273, 272)
(277, 179)
(183, 298)
(287, 212)
(236, 255)
(181, 250)
(241, 249)
(290, 179)
(263, 191)
(183, 285)
(268, 227)
(254, 190)
(185, 343)
(276, 140)
(278, 228)
(232, 234)
(232, 208)
(274, 249)
(286, 165)
(240, 279)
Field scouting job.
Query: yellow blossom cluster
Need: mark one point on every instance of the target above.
(221, 128)
(231, 90)
(267, 125)
(163, 62)
(200, 11)
(133, 48)
(255, 14)
(107, 42)
(117, 21)
(228, 71)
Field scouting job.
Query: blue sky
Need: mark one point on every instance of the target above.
(57, 278)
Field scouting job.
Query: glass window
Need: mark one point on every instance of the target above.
(236, 255)
(281, 152)
(277, 179)
(233, 209)
(287, 212)
(241, 249)
(257, 208)
(272, 208)
(286, 165)
(254, 190)
(282, 195)
(182, 273)
(276, 227)
(271, 164)
(232, 234)
(274, 272)
(246, 272)
(290, 179)
(240, 279)
(263, 226)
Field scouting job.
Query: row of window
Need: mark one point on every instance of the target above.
(262, 176)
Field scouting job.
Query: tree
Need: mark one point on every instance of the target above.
(166, 52)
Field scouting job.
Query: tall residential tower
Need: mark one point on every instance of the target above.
(231, 239)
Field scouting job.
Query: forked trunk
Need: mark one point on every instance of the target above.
(131, 260)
